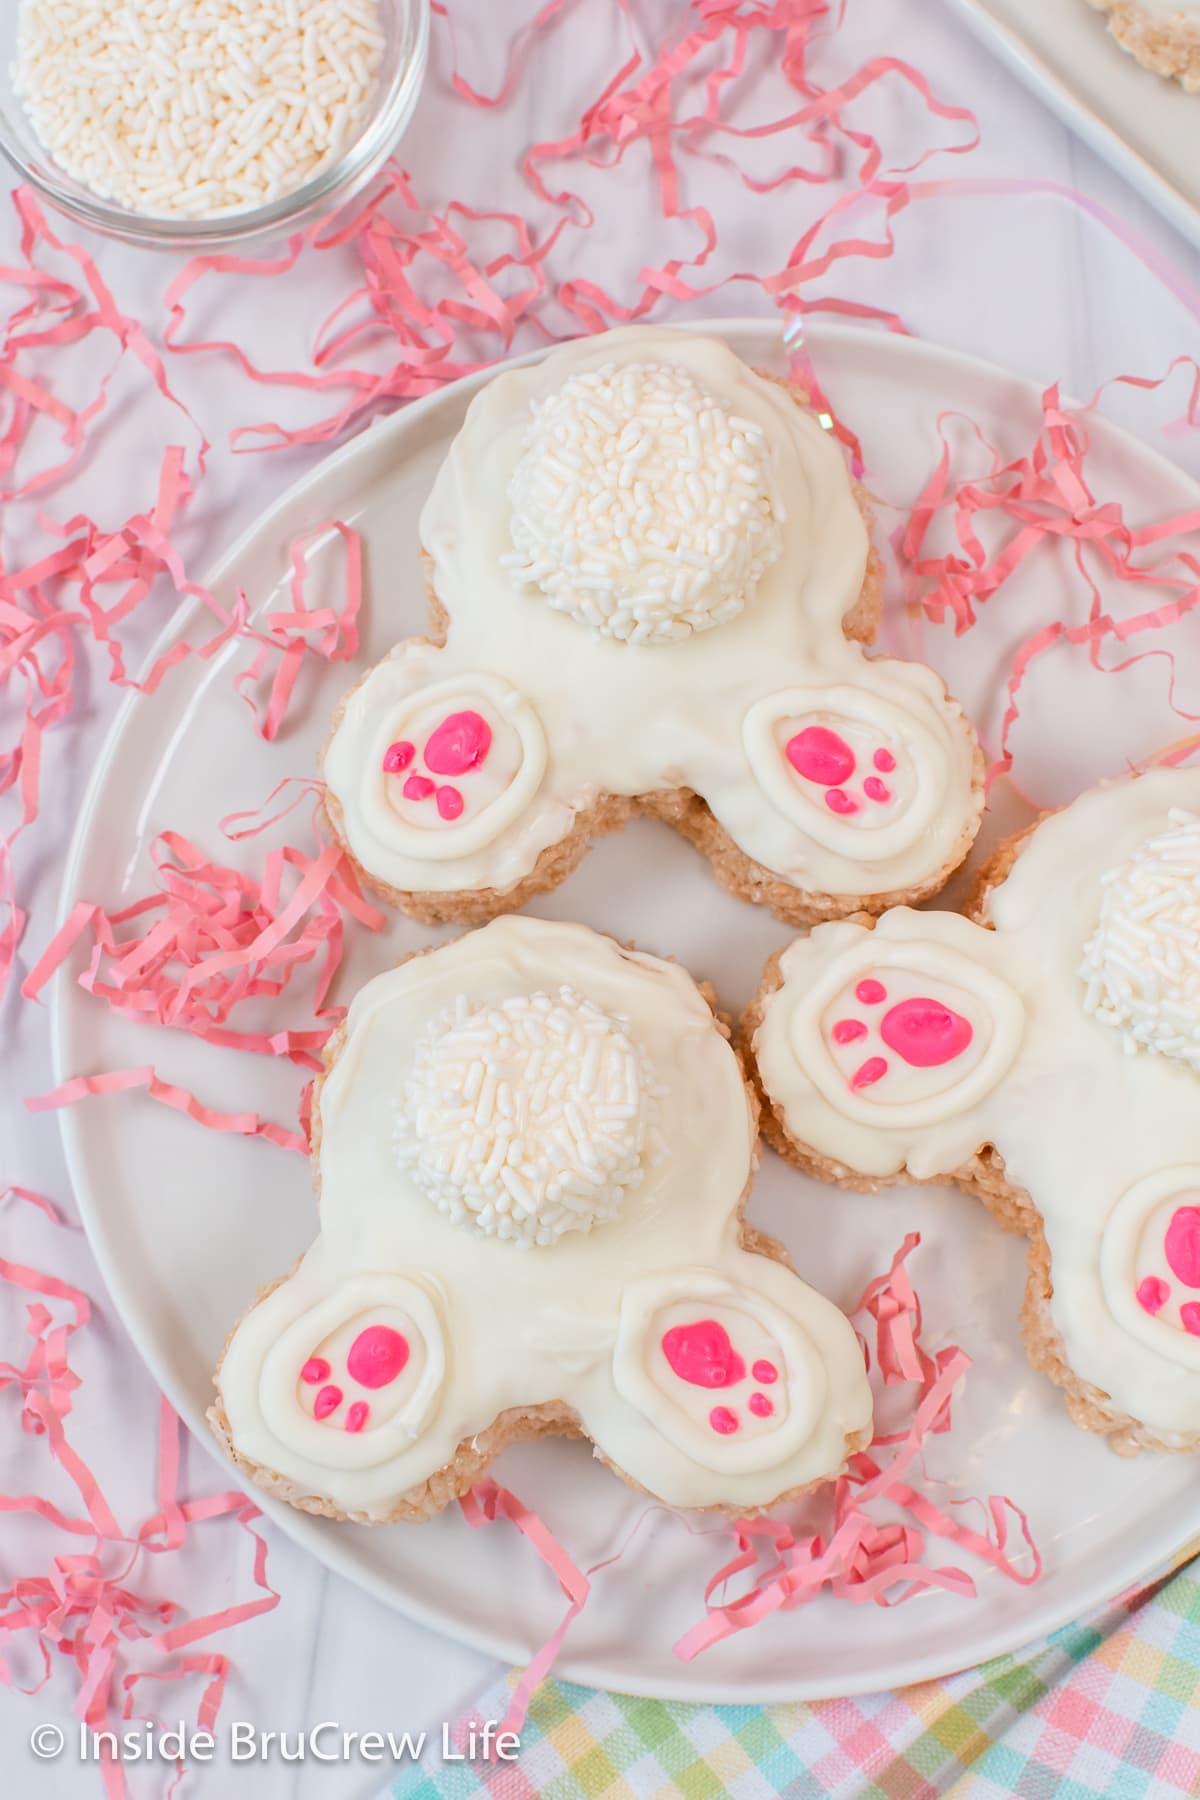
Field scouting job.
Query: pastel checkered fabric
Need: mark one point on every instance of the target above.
(1108, 1709)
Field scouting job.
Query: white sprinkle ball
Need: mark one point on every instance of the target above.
(1141, 966)
(195, 108)
(528, 1118)
(641, 507)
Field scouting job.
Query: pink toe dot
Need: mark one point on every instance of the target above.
(327, 1401)
(884, 761)
(760, 1406)
(1189, 1316)
(397, 757)
(870, 992)
(417, 787)
(449, 802)
(315, 1370)
(876, 790)
(1153, 1294)
(356, 1416)
(722, 1420)
(766, 1372)
(870, 1072)
(377, 1356)
(847, 1030)
(839, 801)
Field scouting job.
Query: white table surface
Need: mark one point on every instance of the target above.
(1027, 282)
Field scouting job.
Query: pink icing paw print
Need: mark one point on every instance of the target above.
(1157, 1293)
(924, 1033)
(348, 1386)
(823, 756)
(1150, 1263)
(458, 746)
(701, 1354)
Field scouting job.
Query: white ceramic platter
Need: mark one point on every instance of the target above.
(186, 1224)
(1146, 127)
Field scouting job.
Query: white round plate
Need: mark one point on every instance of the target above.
(187, 1224)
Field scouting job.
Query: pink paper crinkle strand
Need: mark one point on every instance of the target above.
(486, 1503)
(1040, 498)
(208, 939)
(87, 1610)
(645, 100)
(860, 1557)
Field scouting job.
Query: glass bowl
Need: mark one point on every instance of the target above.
(406, 24)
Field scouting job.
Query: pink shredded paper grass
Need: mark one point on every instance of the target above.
(85, 1608)
(865, 1553)
(431, 298)
(209, 938)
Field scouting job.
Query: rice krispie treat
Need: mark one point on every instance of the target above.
(1164, 35)
(1044, 1052)
(650, 581)
(532, 1147)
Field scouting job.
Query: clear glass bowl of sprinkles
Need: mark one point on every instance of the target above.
(241, 115)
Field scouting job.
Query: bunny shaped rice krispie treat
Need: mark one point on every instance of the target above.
(1044, 1052)
(532, 1148)
(650, 581)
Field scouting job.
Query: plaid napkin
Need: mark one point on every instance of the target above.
(1107, 1709)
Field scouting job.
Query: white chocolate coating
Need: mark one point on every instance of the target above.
(490, 1324)
(583, 714)
(1106, 1144)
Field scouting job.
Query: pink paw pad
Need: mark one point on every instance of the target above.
(459, 745)
(377, 1356)
(823, 757)
(374, 1360)
(702, 1354)
(922, 1032)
